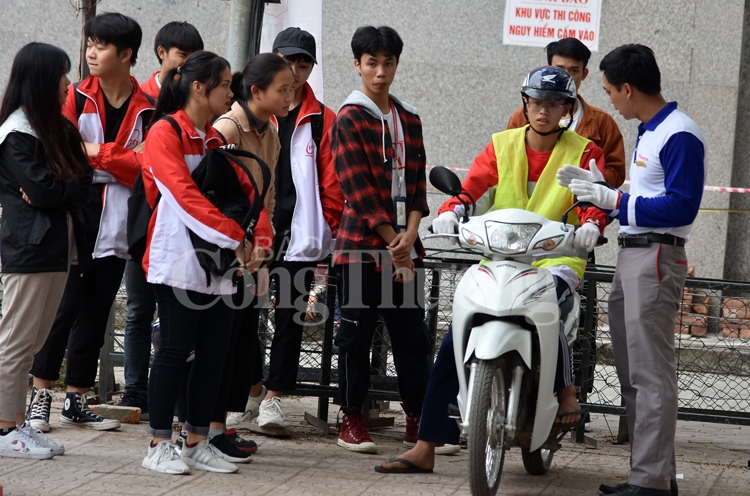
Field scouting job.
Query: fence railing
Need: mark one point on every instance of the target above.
(712, 340)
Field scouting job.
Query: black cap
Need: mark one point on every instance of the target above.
(293, 41)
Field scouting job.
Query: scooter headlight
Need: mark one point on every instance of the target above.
(510, 239)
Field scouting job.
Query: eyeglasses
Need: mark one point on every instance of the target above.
(551, 107)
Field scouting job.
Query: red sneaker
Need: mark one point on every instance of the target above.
(412, 429)
(354, 435)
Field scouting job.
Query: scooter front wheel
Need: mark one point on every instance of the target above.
(486, 439)
(537, 462)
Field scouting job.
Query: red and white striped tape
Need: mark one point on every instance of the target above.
(720, 189)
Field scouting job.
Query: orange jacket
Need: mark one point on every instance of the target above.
(598, 126)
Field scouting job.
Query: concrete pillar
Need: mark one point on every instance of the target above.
(240, 23)
(736, 266)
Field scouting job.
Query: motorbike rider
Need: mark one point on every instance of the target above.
(521, 165)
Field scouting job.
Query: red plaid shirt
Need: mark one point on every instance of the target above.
(357, 146)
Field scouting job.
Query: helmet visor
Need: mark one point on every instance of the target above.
(546, 95)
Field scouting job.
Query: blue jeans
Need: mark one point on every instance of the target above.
(141, 308)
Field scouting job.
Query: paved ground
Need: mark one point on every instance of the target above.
(713, 459)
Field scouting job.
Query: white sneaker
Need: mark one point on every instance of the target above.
(165, 458)
(251, 410)
(42, 440)
(18, 444)
(270, 414)
(208, 458)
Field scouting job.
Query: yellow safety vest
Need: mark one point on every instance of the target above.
(548, 199)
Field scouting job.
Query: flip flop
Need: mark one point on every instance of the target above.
(410, 468)
(562, 415)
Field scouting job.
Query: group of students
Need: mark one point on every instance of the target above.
(351, 184)
(65, 225)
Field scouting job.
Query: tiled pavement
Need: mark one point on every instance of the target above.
(713, 459)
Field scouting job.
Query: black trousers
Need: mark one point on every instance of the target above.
(80, 323)
(293, 280)
(203, 325)
(364, 293)
(244, 364)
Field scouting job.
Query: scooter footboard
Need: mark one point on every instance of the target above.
(497, 337)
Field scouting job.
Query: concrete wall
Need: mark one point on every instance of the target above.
(465, 83)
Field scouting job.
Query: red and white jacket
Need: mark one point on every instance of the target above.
(152, 86)
(169, 257)
(117, 165)
(320, 202)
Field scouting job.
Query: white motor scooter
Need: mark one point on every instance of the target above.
(505, 334)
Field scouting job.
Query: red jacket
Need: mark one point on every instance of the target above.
(116, 165)
(320, 202)
(363, 155)
(151, 86)
(169, 257)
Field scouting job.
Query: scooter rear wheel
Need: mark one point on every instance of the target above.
(537, 462)
(486, 439)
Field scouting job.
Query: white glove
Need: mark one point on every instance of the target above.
(602, 196)
(570, 172)
(586, 236)
(445, 223)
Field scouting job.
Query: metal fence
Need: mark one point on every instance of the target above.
(712, 339)
(712, 343)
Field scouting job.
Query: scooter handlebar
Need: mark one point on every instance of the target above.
(455, 230)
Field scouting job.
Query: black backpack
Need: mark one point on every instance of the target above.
(217, 180)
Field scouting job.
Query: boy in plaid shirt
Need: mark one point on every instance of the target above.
(380, 161)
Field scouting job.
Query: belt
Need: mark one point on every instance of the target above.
(643, 240)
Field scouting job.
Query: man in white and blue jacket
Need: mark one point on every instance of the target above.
(667, 176)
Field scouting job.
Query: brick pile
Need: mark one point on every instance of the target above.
(693, 315)
(736, 318)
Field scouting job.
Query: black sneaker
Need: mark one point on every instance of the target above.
(229, 451)
(77, 413)
(38, 413)
(136, 402)
(246, 445)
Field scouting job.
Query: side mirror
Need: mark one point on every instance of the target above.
(577, 203)
(445, 180)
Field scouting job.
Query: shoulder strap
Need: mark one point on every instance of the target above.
(316, 124)
(80, 100)
(251, 219)
(148, 115)
(175, 126)
(239, 129)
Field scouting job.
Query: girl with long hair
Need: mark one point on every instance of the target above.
(263, 89)
(44, 182)
(193, 313)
